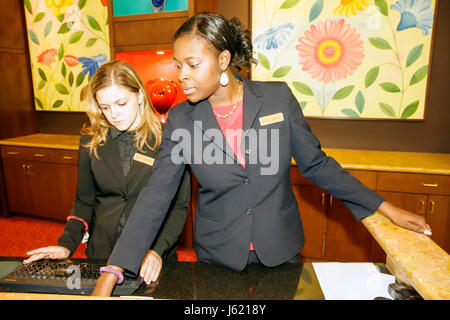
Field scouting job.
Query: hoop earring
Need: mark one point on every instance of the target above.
(224, 80)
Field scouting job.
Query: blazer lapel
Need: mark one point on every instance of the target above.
(252, 107)
(138, 167)
(204, 119)
(110, 154)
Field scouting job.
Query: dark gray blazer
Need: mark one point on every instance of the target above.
(237, 205)
(103, 193)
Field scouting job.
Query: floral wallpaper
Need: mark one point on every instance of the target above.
(68, 41)
(347, 58)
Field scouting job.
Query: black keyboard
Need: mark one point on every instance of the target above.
(61, 277)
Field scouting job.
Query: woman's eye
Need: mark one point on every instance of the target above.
(194, 65)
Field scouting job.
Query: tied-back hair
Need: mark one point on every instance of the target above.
(148, 131)
(223, 34)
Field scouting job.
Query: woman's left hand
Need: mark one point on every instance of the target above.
(405, 218)
(151, 267)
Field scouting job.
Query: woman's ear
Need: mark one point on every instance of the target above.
(141, 96)
(224, 60)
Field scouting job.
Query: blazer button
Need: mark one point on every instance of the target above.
(124, 198)
(246, 181)
(248, 151)
(248, 211)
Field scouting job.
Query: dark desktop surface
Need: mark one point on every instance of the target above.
(203, 281)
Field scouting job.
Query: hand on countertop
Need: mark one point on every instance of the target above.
(405, 218)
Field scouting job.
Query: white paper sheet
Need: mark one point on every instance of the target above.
(352, 281)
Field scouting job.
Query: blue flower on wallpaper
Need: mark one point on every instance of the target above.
(415, 14)
(90, 65)
(158, 3)
(274, 37)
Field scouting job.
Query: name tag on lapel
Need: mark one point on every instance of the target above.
(144, 159)
(272, 118)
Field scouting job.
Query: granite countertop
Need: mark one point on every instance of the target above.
(43, 140)
(415, 258)
(392, 161)
(204, 281)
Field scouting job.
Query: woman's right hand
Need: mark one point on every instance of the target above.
(52, 252)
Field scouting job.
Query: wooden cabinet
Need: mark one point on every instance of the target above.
(331, 231)
(312, 203)
(424, 194)
(333, 234)
(40, 181)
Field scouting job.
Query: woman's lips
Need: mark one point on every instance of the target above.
(188, 91)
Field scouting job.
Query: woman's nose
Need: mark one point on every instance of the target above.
(114, 112)
(182, 74)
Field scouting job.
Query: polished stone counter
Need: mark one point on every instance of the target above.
(391, 161)
(42, 140)
(203, 281)
(412, 257)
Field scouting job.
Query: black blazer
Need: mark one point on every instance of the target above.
(103, 193)
(237, 205)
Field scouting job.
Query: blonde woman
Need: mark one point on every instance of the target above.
(115, 161)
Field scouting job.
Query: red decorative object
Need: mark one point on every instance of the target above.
(163, 94)
(152, 65)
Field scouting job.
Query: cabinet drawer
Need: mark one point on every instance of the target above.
(368, 178)
(40, 154)
(65, 156)
(414, 183)
(11, 152)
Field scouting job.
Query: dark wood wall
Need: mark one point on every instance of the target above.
(431, 135)
(17, 115)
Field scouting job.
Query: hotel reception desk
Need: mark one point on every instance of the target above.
(418, 182)
(203, 281)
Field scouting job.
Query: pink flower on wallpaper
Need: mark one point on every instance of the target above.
(47, 57)
(330, 50)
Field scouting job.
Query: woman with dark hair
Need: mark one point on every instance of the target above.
(238, 136)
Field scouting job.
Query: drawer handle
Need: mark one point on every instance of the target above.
(40, 155)
(67, 158)
(13, 152)
(433, 185)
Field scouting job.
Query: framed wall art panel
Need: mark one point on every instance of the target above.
(68, 40)
(347, 59)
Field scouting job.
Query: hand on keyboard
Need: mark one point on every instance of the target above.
(52, 252)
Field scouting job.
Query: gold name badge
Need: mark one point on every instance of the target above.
(144, 159)
(270, 119)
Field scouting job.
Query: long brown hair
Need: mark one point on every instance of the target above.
(148, 131)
